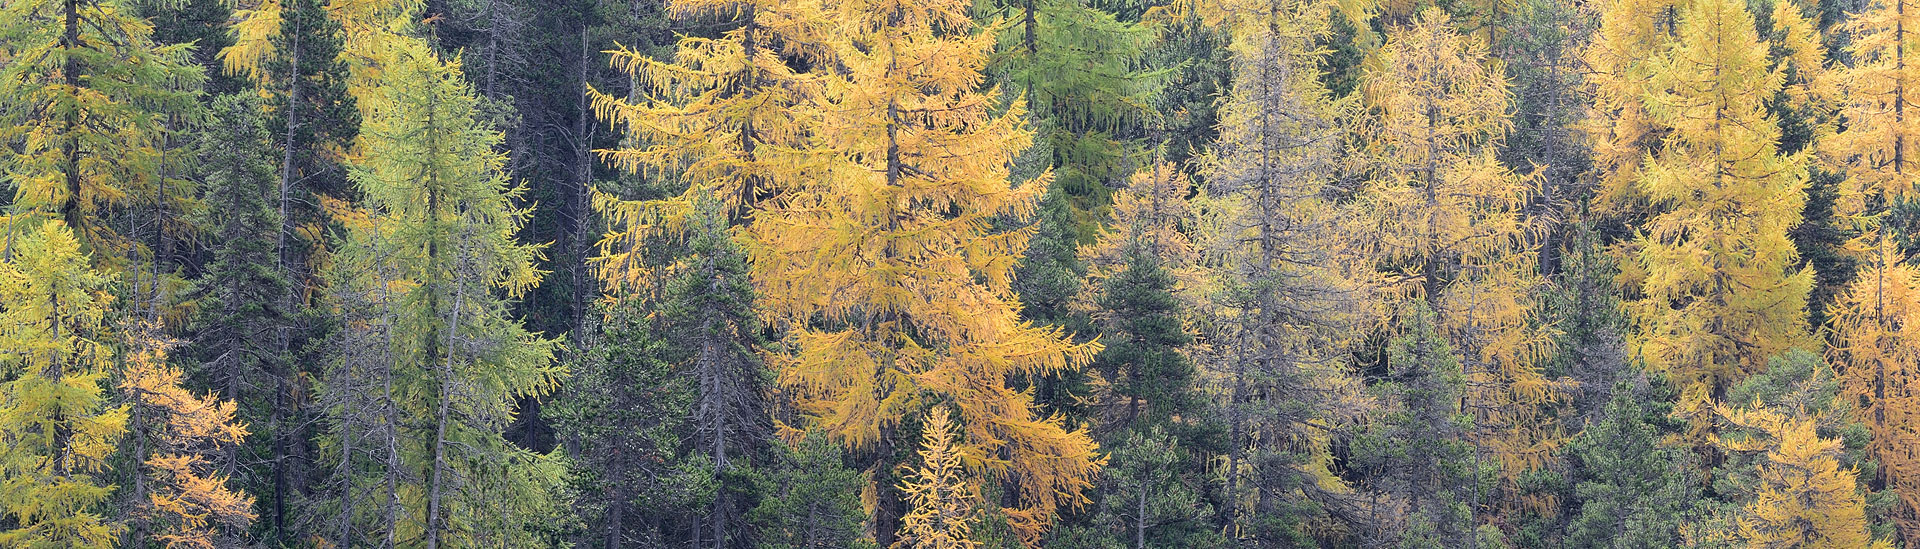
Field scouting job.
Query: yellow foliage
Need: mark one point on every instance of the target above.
(1877, 341)
(940, 497)
(188, 503)
(1722, 292)
(887, 271)
(1451, 226)
(1804, 500)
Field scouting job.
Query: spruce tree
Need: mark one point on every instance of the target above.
(1630, 489)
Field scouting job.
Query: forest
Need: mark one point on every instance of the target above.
(959, 274)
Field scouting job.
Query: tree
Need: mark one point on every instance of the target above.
(720, 119)
(1452, 225)
(1719, 291)
(55, 420)
(1874, 344)
(1420, 451)
(622, 417)
(1280, 318)
(234, 328)
(432, 249)
(1631, 490)
(1632, 35)
(813, 500)
(887, 272)
(87, 97)
(180, 496)
(1082, 71)
(1143, 360)
(940, 494)
(1152, 495)
(709, 314)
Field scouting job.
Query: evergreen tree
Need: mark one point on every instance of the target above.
(1631, 490)
(55, 421)
(623, 418)
(1419, 450)
(812, 500)
(1151, 379)
(709, 315)
(434, 243)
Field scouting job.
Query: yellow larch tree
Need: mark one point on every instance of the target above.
(1619, 129)
(1804, 499)
(1153, 212)
(940, 495)
(55, 422)
(182, 500)
(1720, 290)
(888, 271)
(1451, 228)
(717, 118)
(1876, 343)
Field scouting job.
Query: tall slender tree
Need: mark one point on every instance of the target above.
(433, 243)
(887, 270)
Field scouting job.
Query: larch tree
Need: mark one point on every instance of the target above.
(1452, 228)
(941, 492)
(1874, 344)
(1720, 291)
(1805, 498)
(55, 421)
(1285, 295)
(1631, 34)
(718, 120)
(432, 362)
(1083, 72)
(888, 271)
(180, 495)
(87, 99)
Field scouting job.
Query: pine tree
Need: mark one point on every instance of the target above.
(709, 314)
(1419, 450)
(622, 418)
(181, 498)
(941, 494)
(1631, 490)
(1153, 496)
(813, 500)
(88, 98)
(1453, 232)
(55, 421)
(1720, 291)
(888, 274)
(1151, 380)
(433, 244)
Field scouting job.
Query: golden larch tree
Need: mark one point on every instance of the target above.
(1876, 344)
(940, 495)
(1721, 291)
(55, 422)
(718, 118)
(181, 498)
(1619, 128)
(888, 271)
(1451, 228)
(1805, 499)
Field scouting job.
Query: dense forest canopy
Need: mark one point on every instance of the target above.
(958, 274)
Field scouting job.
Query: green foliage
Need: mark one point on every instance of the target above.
(1630, 490)
(812, 500)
